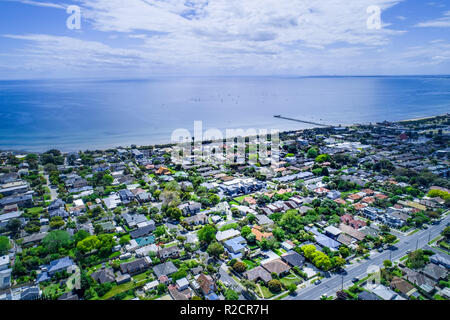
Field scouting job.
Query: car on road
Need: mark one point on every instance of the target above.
(380, 249)
(355, 279)
(317, 282)
(341, 271)
(408, 251)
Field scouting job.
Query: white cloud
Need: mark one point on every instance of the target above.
(223, 36)
(41, 4)
(443, 22)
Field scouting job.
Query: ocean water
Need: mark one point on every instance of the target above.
(78, 115)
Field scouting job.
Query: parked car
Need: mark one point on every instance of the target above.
(355, 279)
(408, 251)
(317, 282)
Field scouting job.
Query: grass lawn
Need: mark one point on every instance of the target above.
(240, 199)
(279, 251)
(284, 295)
(35, 210)
(54, 290)
(266, 292)
(122, 288)
(250, 264)
(289, 279)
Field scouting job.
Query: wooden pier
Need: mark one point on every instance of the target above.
(302, 121)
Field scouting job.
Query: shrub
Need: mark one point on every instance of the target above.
(274, 286)
(239, 267)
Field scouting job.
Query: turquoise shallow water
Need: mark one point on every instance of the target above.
(78, 115)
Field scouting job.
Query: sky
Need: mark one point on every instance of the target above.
(146, 38)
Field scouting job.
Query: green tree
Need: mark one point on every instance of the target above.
(89, 244)
(159, 231)
(322, 158)
(207, 233)
(55, 240)
(239, 267)
(4, 245)
(338, 262)
(312, 153)
(231, 295)
(215, 249)
(246, 230)
(292, 287)
(274, 286)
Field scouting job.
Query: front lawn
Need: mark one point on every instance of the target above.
(250, 264)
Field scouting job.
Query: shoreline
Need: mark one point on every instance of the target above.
(164, 144)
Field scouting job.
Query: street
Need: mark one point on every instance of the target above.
(330, 285)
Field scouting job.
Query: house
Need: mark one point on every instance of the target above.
(403, 286)
(22, 201)
(256, 230)
(365, 295)
(435, 272)
(123, 278)
(22, 293)
(136, 266)
(133, 220)
(227, 234)
(417, 278)
(345, 239)
(144, 197)
(258, 274)
(4, 262)
(206, 283)
(60, 265)
(126, 196)
(196, 219)
(263, 220)
(293, 259)
(190, 208)
(358, 235)
(384, 292)
(277, 266)
(182, 284)
(164, 269)
(143, 231)
(440, 259)
(104, 276)
(168, 252)
(333, 232)
(34, 238)
(395, 218)
(5, 278)
(333, 195)
(151, 285)
(370, 212)
(287, 245)
(235, 246)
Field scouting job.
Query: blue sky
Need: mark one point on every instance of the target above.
(145, 38)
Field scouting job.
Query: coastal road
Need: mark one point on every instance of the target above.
(330, 285)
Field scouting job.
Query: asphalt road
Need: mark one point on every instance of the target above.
(330, 285)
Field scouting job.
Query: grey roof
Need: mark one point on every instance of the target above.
(143, 231)
(258, 273)
(293, 258)
(166, 269)
(104, 275)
